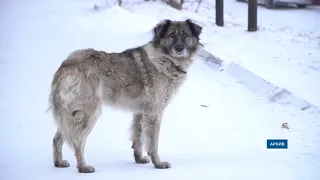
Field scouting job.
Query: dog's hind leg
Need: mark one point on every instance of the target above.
(84, 122)
(57, 151)
(76, 106)
(151, 130)
(79, 153)
(136, 131)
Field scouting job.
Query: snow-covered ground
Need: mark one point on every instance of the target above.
(226, 140)
(285, 50)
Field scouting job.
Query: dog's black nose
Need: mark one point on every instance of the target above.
(179, 47)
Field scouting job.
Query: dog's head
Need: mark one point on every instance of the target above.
(179, 39)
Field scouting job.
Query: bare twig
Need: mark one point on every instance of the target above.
(199, 3)
(95, 7)
(306, 107)
(119, 2)
(202, 105)
(174, 3)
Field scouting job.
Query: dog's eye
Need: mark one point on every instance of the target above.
(185, 35)
(172, 35)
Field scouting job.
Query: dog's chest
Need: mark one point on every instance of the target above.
(164, 87)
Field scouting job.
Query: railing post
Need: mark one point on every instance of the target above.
(252, 15)
(219, 12)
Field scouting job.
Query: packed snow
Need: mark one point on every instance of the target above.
(224, 139)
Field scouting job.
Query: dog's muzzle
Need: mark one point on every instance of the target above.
(179, 48)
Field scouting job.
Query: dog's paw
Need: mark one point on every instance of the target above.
(61, 164)
(86, 169)
(162, 165)
(141, 159)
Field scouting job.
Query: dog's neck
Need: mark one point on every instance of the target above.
(157, 56)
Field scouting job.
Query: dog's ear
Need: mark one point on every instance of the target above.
(195, 28)
(161, 28)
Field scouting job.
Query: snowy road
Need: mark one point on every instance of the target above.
(226, 140)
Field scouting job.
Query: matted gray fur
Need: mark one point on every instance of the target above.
(141, 79)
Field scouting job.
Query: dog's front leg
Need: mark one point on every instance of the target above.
(137, 139)
(151, 129)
